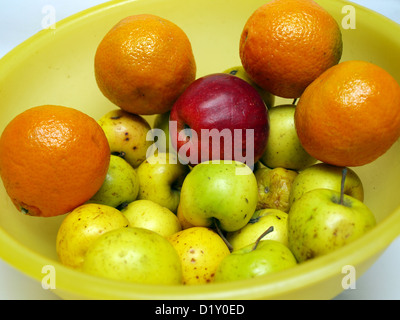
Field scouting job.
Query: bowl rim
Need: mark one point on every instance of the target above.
(29, 261)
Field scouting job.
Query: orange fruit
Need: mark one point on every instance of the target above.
(350, 115)
(286, 44)
(52, 159)
(144, 63)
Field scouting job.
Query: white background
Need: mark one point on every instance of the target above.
(20, 19)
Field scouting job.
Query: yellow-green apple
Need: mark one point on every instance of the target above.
(284, 148)
(200, 250)
(160, 179)
(239, 71)
(222, 190)
(274, 187)
(252, 261)
(322, 221)
(152, 216)
(219, 116)
(127, 135)
(81, 227)
(322, 175)
(261, 221)
(120, 186)
(134, 255)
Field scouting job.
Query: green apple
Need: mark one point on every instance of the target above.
(127, 135)
(160, 179)
(284, 148)
(152, 216)
(239, 71)
(163, 142)
(81, 227)
(120, 186)
(261, 221)
(322, 175)
(324, 220)
(200, 250)
(274, 187)
(253, 261)
(134, 255)
(223, 190)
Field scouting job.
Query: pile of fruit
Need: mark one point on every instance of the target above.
(225, 185)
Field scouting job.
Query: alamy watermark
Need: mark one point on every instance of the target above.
(233, 145)
(237, 144)
(348, 280)
(49, 278)
(49, 18)
(349, 20)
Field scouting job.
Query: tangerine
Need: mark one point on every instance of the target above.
(286, 44)
(52, 159)
(350, 115)
(144, 63)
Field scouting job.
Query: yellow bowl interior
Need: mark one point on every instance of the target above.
(56, 67)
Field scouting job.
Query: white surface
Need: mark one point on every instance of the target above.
(20, 19)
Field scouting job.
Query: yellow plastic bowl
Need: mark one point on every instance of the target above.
(56, 67)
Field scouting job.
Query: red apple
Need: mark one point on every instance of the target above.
(219, 117)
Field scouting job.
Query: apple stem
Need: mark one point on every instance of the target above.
(220, 233)
(344, 173)
(294, 101)
(270, 229)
